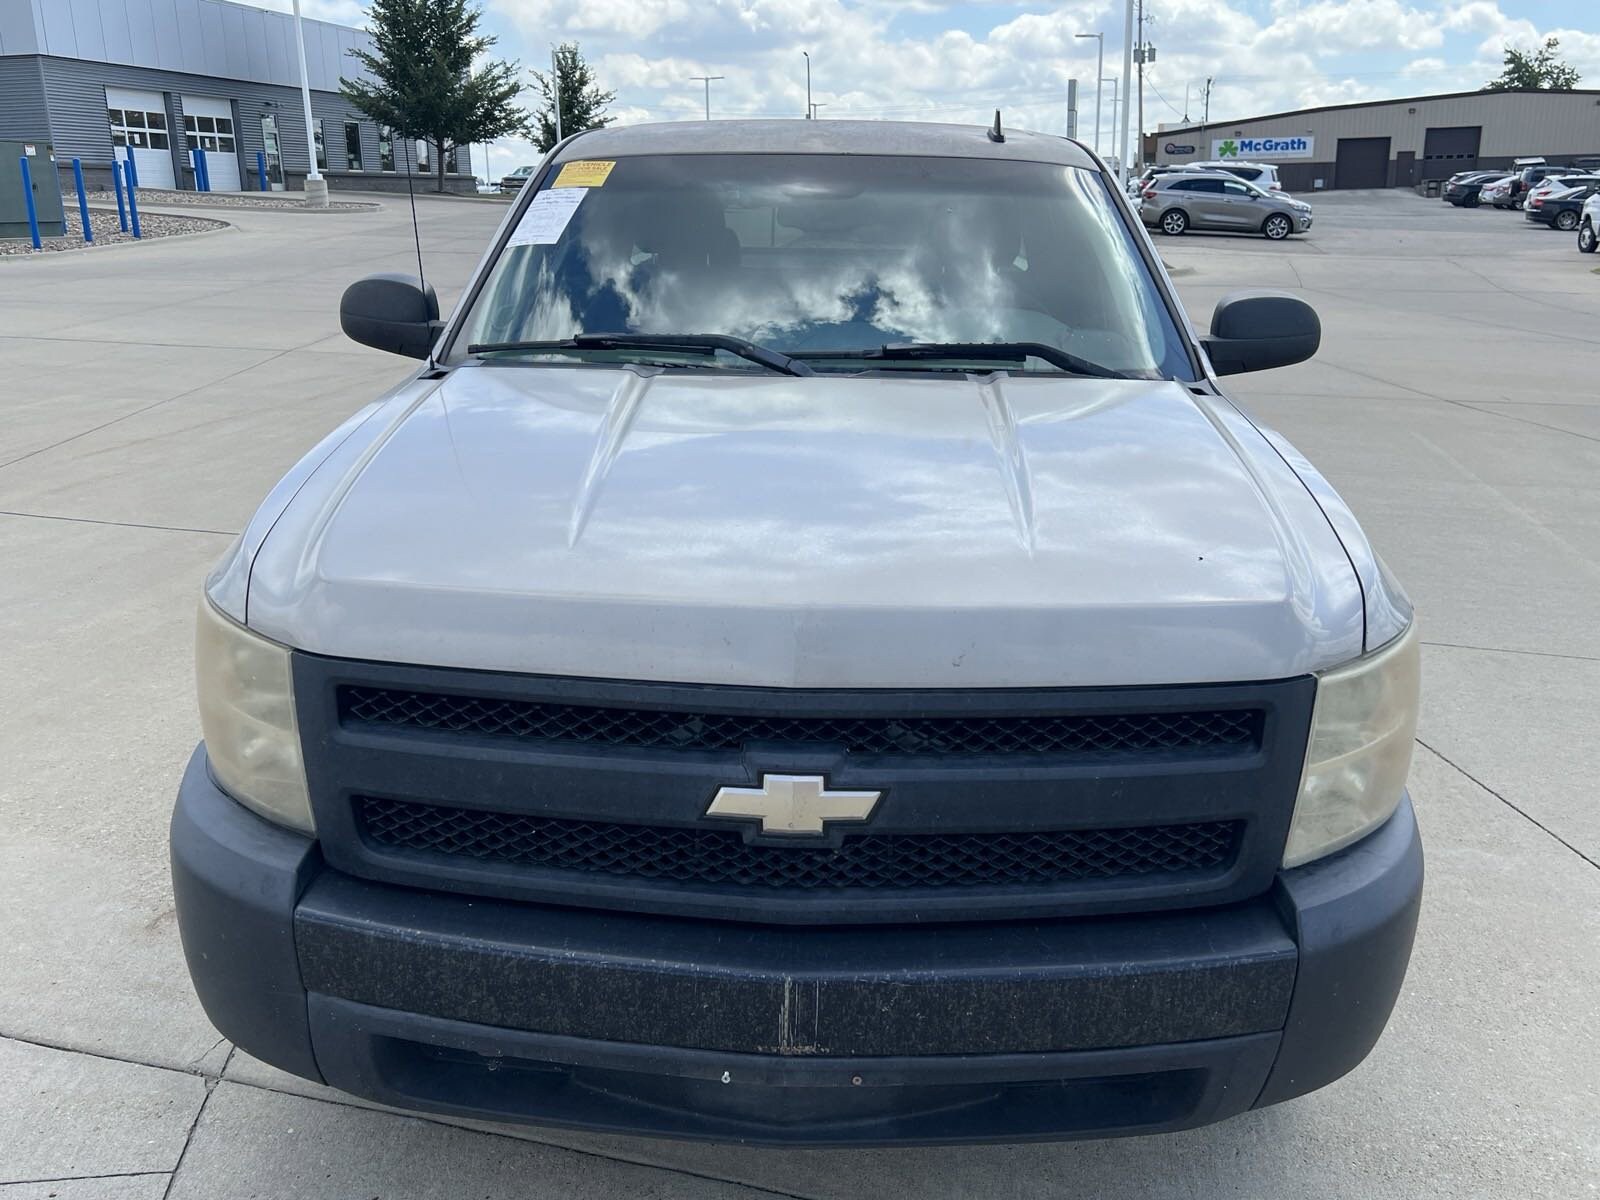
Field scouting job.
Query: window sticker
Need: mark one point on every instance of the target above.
(583, 174)
(547, 217)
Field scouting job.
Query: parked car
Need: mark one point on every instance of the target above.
(1216, 200)
(514, 181)
(1465, 190)
(696, 705)
(1135, 186)
(1561, 210)
(1505, 192)
(1554, 184)
(1263, 175)
(1589, 225)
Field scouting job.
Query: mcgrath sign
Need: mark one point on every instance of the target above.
(1264, 149)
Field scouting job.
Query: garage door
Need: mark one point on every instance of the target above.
(139, 127)
(1448, 150)
(1362, 163)
(208, 123)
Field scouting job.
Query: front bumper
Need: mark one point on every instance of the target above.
(683, 1028)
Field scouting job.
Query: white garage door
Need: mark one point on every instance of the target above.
(208, 123)
(139, 127)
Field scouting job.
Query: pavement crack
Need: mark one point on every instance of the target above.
(79, 1178)
(1512, 805)
(211, 1086)
(43, 1044)
(1508, 650)
(8, 512)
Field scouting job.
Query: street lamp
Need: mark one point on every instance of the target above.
(707, 79)
(1099, 74)
(1123, 161)
(1112, 80)
(814, 107)
(810, 112)
(316, 185)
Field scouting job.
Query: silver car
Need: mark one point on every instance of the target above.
(1187, 200)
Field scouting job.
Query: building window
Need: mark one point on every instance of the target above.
(321, 143)
(422, 158)
(385, 148)
(450, 162)
(140, 130)
(210, 134)
(352, 144)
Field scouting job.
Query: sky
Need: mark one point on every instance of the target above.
(959, 60)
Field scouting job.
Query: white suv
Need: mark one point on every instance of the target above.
(1589, 225)
(1263, 175)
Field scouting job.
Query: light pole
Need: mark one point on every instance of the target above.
(810, 113)
(817, 105)
(706, 79)
(1099, 74)
(1123, 162)
(555, 89)
(1112, 80)
(316, 185)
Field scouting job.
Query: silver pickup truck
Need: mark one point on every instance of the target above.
(813, 656)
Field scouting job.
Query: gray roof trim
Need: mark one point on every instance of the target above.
(1303, 112)
(797, 136)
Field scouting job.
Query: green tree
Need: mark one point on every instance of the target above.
(583, 104)
(1541, 70)
(422, 80)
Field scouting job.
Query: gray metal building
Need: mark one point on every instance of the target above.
(1396, 143)
(154, 79)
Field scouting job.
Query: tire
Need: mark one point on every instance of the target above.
(1566, 221)
(1588, 239)
(1277, 227)
(1174, 222)
(1471, 202)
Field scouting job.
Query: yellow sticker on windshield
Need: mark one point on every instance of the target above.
(583, 174)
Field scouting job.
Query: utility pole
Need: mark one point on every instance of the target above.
(1206, 117)
(316, 185)
(1143, 50)
(1072, 108)
(555, 89)
(818, 105)
(1123, 164)
(1099, 87)
(1112, 80)
(707, 80)
(810, 111)
(1185, 103)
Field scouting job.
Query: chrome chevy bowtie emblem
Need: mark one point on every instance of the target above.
(796, 805)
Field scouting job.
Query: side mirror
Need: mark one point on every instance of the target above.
(1259, 332)
(391, 312)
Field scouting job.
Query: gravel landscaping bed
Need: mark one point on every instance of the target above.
(281, 200)
(107, 232)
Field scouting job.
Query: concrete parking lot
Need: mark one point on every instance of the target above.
(150, 395)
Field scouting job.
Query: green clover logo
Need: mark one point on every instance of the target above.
(1228, 149)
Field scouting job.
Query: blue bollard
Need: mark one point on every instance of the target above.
(133, 203)
(116, 186)
(133, 169)
(261, 169)
(202, 175)
(33, 213)
(83, 200)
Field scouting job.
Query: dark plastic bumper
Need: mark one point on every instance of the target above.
(702, 1029)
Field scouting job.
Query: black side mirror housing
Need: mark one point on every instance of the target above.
(1259, 331)
(397, 313)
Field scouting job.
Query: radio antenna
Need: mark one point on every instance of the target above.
(416, 234)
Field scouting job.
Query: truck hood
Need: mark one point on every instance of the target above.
(939, 531)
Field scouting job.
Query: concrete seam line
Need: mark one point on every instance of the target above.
(1508, 650)
(77, 1178)
(7, 512)
(172, 1178)
(1523, 813)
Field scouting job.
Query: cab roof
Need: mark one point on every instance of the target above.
(795, 136)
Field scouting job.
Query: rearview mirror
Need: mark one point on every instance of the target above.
(1258, 332)
(396, 313)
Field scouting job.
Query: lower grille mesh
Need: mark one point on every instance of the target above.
(723, 857)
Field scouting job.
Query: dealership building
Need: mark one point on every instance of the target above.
(155, 79)
(1396, 143)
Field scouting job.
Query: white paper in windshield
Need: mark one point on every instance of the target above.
(547, 217)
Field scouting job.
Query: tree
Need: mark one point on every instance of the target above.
(1540, 71)
(583, 104)
(423, 83)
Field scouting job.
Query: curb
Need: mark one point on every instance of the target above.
(112, 247)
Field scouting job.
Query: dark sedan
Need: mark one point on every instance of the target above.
(1561, 211)
(514, 181)
(1462, 190)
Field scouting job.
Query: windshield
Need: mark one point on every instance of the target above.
(807, 254)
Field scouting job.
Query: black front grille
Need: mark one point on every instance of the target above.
(605, 725)
(723, 857)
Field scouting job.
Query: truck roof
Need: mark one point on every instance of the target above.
(795, 136)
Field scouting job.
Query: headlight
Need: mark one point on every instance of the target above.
(1362, 727)
(247, 717)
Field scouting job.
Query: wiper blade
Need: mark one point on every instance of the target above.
(685, 343)
(1000, 351)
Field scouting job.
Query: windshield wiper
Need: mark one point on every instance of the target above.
(683, 343)
(1001, 351)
